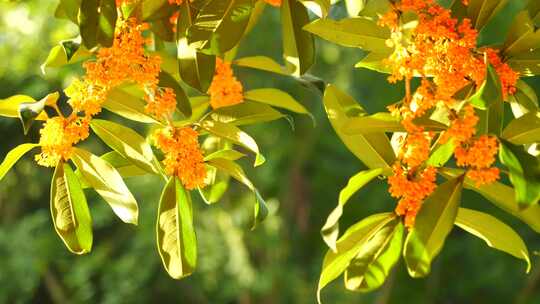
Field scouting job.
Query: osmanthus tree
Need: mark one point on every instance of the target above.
(168, 64)
(140, 58)
(450, 123)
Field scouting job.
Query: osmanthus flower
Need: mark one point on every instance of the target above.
(183, 156)
(443, 52)
(275, 3)
(225, 90)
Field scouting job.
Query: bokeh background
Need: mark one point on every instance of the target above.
(277, 263)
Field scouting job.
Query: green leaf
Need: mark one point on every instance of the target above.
(235, 135)
(196, 69)
(107, 22)
(125, 167)
(524, 172)
(495, 233)
(374, 149)
(88, 20)
(182, 100)
(489, 92)
(128, 103)
(352, 32)
(67, 52)
(348, 247)
(9, 107)
(318, 7)
(501, 196)
(262, 63)
(330, 230)
(524, 130)
(69, 210)
(70, 8)
(220, 25)
(126, 142)
(260, 211)
(155, 9)
(246, 113)
(30, 111)
(276, 98)
(217, 183)
(385, 122)
(481, 11)
(226, 154)
(441, 154)
(370, 268)
(298, 45)
(433, 224)
(524, 100)
(108, 183)
(526, 64)
(375, 62)
(175, 233)
(13, 156)
(523, 36)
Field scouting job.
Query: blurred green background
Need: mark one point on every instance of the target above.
(277, 263)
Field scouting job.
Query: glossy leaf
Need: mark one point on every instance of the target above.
(352, 32)
(370, 268)
(318, 7)
(261, 63)
(489, 92)
(501, 196)
(526, 64)
(235, 135)
(175, 232)
(330, 230)
(260, 211)
(108, 183)
(354, 7)
(433, 224)
(217, 183)
(70, 8)
(441, 154)
(246, 113)
(348, 247)
(107, 22)
(276, 98)
(88, 20)
(495, 233)
(31, 111)
(524, 172)
(375, 62)
(196, 69)
(523, 36)
(385, 122)
(67, 52)
(492, 115)
(524, 130)
(127, 102)
(182, 100)
(524, 100)
(126, 142)
(373, 149)
(9, 107)
(13, 156)
(220, 25)
(69, 210)
(298, 45)
(481, 11)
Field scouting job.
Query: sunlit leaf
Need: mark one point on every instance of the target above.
(374, 149)
(433, 224)
(348, 247)
(276, 98)
(524, 130)
(235, 135)
(330, 230)
(524, 100)
(13, 156)
(246, 113)
(524, 172)
(298, 45)
(182, 100)
(127, 102)
(261, 63)
(495, 233)
(372, 265)
(28, 112)
(481, 11)
(175, 233)
(108, 183)
(69, 210)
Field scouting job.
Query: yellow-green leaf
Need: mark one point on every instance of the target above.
(127, 102)
(495, 233)
(175, 233)
(261, 63)
(524, 130)
(108, 183)
(69, 210)
(246, 113)
(298, 45)
(276, 98)
(13, 156)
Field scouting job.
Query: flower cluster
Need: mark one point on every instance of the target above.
(275, 3)
(183, 156)
(225, 90)
(444, 53)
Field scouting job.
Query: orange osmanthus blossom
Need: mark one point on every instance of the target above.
(183, 156)
(444, 53)
(225, 90)
(275, 3)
